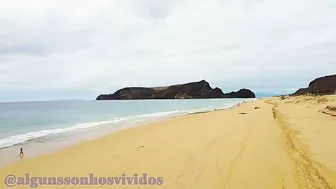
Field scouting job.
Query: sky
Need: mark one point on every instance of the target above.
(78, 49)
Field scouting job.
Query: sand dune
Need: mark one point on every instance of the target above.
(285, 143)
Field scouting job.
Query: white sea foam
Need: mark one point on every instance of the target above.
(17, 139)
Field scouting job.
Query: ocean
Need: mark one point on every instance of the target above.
(41, 127)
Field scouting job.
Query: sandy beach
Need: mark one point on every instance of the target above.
(265, 144)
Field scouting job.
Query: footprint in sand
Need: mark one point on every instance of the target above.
(139, 147)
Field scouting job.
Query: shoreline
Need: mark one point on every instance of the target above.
(50, 146)
(273, 146)
(53, 145)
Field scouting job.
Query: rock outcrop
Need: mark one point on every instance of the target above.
(194, 90)
(322, 85)
(242, 93)
(329, 110)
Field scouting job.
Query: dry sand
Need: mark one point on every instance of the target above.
(287, 143)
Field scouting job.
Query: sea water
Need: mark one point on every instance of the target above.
(41, 127)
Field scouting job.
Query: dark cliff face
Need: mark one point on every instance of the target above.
(322, 85)
(242, 93)
(194, 90)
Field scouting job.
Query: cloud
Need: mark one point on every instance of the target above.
(78, 49)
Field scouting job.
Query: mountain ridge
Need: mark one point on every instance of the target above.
(192, 90)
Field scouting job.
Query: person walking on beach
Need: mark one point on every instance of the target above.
(21, 153)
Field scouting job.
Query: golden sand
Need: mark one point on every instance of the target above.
(286, 143)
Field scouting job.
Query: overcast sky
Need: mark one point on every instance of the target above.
(60, 49)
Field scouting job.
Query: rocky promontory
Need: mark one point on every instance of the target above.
(321, 85)
(193, 90)
(242, 93)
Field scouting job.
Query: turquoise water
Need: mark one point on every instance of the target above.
(23, 122)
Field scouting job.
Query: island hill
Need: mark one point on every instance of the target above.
(319, 86)
(193, 90)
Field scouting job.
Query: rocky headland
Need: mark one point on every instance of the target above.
(319, 86)
(193, 90)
